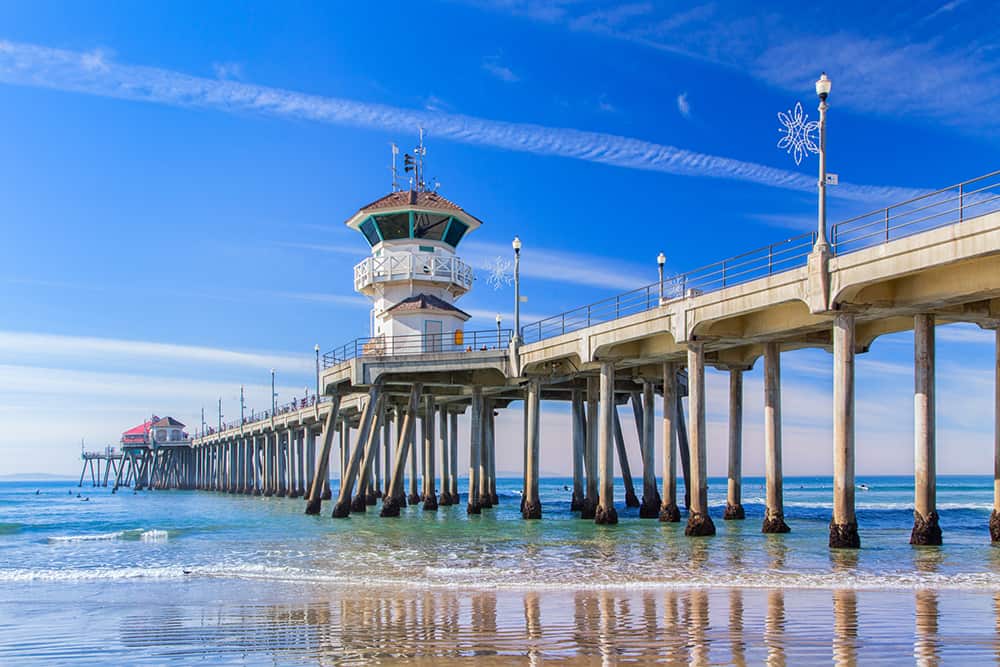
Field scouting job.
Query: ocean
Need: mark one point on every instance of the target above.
(180, 577)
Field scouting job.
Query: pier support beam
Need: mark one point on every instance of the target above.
(371, 444)
(442, 418)
(606, 513)
(589, 508)
(645, 413)
(269, 445)
(995, 514)
(387, 460)
(734, 487)
(453, 433)
(774, 511)
(430, 493)
(844, 523)
(532, 506)
(668, 499)
(342, 508)
(394, 498)
(492, 445)
(579, 437)
(699, 522)
(322, 472)
(926, 530)
(475, 450)
(630, 498)
(414, 496)
(485, 497)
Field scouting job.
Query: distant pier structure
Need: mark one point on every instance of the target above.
(156, 454)
(391, 400)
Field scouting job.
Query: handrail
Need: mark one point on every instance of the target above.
(863, 231)
(417, 344)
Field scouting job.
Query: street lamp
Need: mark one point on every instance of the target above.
(661, 259)
(274, 395)
(316, 348)
(242, 407)
(516, 244)
(823, 85)
(499, 335)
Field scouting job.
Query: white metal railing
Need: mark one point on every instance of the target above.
(412, 266)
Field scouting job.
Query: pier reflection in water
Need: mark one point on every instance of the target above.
(673, 626)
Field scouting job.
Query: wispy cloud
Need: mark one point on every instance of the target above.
(683, 106)
(31, 65)
(563, 267)
(228, 70)
(19, 345)
(500, 71)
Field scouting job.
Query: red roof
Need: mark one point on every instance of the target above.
(141, 429)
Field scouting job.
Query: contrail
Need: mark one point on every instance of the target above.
(93, 73)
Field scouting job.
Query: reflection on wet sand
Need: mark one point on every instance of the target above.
(698, 626)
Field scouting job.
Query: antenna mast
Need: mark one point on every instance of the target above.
(421, 153)
(395, 174)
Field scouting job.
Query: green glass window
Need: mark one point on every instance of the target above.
(455, 232)
(368, 229)
(394, 225)
(429, 226)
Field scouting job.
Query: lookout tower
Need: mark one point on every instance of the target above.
(413, 275)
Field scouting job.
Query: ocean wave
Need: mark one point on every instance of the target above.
(516, 580)
(134, 534)
(862, 505)
(10, 528)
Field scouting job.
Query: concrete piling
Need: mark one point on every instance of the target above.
(995, 514)
(342, 508)
(430, 493)
(844, 523)
(394, 498)
(734, 484)
(485, 498)
(606, 513)
(668, 499)
(589, 508)
(926, 531)
(322, 472)
(453, 478)
(579, 427)
(475, 449)
(630, 498)
(774, 512)
(532, 506)
(644, 408)
(442, 418)
(699, 522)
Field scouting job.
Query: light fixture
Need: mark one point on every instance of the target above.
(823, 84)
(661, 259)
(516, 244)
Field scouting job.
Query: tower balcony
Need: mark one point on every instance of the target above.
(448, 271)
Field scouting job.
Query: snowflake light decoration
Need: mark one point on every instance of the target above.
(798, 138)
(498, 273)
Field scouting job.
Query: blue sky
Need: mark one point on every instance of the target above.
(175, 178)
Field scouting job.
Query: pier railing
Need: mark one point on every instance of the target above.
(390, 346)
(254, 416)
(412, 266)
(955, 204)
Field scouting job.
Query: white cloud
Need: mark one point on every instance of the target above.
(683, 106)
(500, 71)
(31, 65)
(17, 346)
(228, 70)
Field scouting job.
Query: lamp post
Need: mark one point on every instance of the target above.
(499, 335)
(661, 259)
(516, 244)
(242, 407)
(220, 414)
(316, 348)
(823, 85)
(274, 395)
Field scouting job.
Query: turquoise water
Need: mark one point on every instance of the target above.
(102, 576)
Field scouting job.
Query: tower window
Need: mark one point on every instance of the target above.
(429, 226)
(455, 232)
(394, 225)
(368, 229)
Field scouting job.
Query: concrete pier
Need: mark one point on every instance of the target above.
(394, 498)
(631, 500)
(532, 507)
(774, 511)
(442, 419)
(995, 514)
(342, 508)
(926, 530)
(699, 522)
(589, 508)
(430, 493)
(669, 511)
(578, 429)
(606, 513)
(475, 450)
(844, 523)
(485, 497)
(453, 433)
(650, 507)
(734, 482)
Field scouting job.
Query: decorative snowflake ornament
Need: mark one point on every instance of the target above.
(498, 273)
(798, 134)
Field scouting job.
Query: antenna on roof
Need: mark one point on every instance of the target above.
(395, 174)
